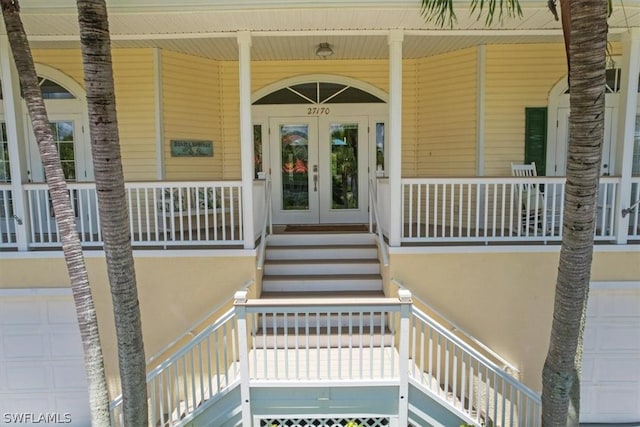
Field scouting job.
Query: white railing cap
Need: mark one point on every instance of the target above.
(404, 295)
(240, 297)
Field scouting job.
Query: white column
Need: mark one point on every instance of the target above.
(395, 136)
(246, 136)
(158, 95)
(16, 143)
(626, 128)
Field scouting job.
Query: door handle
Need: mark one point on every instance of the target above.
(315, 178)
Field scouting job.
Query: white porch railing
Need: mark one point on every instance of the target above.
(331, 343)
(494, 209)
(160, 213)
(450, 370)
(201, 371)
(322, 340)
(375, 218)
(267, 223)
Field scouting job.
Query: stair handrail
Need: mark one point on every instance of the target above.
(454, 327)
(473, 352)
(373, 201)
(190, 330)
(267, 220)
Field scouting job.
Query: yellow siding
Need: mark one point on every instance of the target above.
(518, 76)
(374, 72)
(135, 91)
(230, 120)
(410, 119)
(134, 85)
(191, 105)
(446, 116)
(69, 61)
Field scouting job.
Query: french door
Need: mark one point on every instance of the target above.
(319, 168)
(77, 166)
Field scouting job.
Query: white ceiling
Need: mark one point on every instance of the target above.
(354, 29)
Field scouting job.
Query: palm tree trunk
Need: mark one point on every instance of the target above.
(114, 218)
(561, 372)
(64, 216)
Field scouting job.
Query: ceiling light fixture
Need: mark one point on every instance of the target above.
(324, 50)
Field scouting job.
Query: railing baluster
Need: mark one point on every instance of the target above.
(410, 210)
(419, 212)
(285, 328)
(296, 326)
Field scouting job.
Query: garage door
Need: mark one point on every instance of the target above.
(610, 389)
(41, 365)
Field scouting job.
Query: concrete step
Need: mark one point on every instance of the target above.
(335, 337)
(321, 266)
(315, 252)
(322, 283)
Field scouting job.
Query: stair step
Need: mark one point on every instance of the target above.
(321, 266)
(322, 283)
(337, 337)
(314, 295)
(307, 252)
(321, 239)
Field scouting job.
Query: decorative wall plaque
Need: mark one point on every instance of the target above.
(191, 148)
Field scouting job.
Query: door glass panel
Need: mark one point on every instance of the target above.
(64, 140)
(294, 142)
(379, 146)
(257, 150)
(635, 169)
(344, 166)
(5, 171)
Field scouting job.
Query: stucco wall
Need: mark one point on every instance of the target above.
(174, 292)
(502, 297)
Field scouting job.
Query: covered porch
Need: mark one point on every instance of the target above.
(437, 117)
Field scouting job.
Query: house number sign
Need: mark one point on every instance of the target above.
(318, 111)
(191, 148)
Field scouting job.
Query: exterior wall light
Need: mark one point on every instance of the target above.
(324, 50)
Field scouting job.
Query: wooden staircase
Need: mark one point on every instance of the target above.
(317, 265)
(303, 266)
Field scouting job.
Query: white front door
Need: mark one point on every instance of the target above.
(319, 168)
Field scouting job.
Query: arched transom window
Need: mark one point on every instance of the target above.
(318, 93)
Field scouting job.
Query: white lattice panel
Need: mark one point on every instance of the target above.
(325, 422)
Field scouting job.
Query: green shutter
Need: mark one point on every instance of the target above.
(535, 138)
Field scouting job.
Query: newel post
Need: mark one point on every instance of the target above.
(240, 300)
(403, 394)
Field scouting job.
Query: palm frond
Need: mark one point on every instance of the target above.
(439, 11)
(505, 8)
